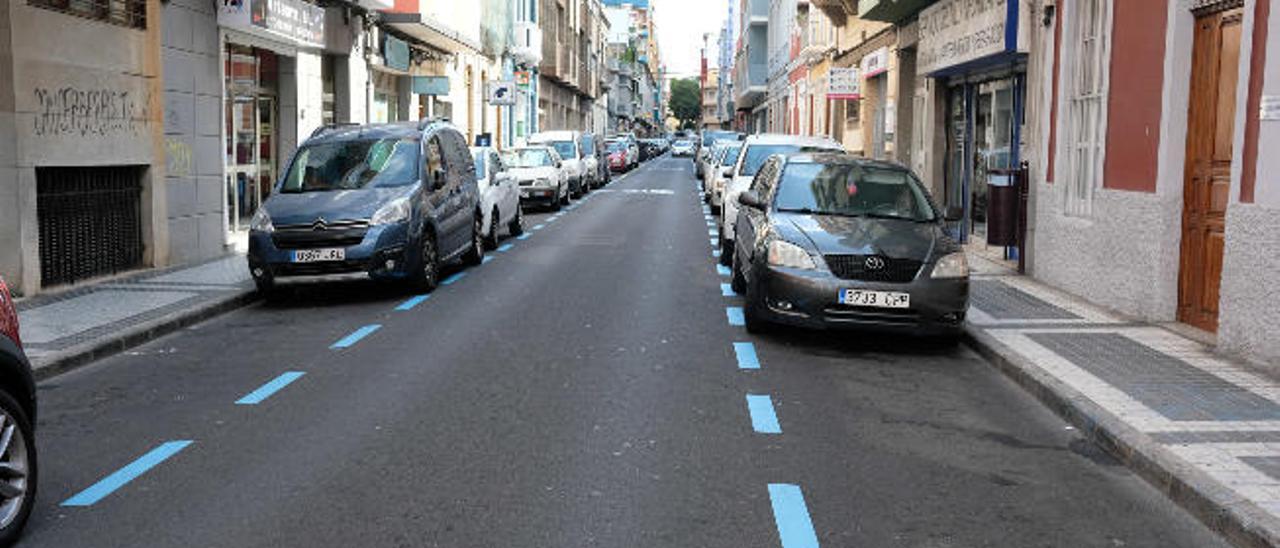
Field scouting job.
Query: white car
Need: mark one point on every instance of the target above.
(538, 171)
(720, 170)
(569, 145)
(683, 147)
(499, 195)
(755, 150)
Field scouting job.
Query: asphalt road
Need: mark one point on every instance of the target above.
(582, 388)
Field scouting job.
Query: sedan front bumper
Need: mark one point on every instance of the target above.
(810, 299)
(539, 195)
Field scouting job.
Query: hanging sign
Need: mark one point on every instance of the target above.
(294, 21)
(875, 63)
(958, 31)
(395, 53)
(502, 93)
(431, 85)
(843, 83)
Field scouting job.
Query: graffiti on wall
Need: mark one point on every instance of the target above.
(178, 159)
(71, 111)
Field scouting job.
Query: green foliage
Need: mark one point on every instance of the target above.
(686, 101)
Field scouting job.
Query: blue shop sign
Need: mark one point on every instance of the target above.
(431, 85)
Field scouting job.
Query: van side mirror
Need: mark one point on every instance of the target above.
(750, 199)
(954, 213)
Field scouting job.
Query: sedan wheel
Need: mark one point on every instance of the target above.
(475, 255)
(17, 469)
(491, 240)
(516, 227)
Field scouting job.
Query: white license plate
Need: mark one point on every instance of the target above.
(877, 299)
(319, 255)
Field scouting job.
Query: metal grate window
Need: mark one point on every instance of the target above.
(126, 13)
(1087, 103)
(90, 221)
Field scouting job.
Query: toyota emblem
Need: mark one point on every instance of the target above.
(874, 263)
(319, 225)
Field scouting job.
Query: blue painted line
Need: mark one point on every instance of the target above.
(763, 419)
(715, 253)
(355, 336)
(714, 242)
(735, 315)
(795, 529)
(486, 259)
(713, 232)
(722, 270)
(265, 391)
(551, 220)
(123, 476)
(412, 302)
(453, 279)
(746, 353)
(538, 226)
(524, 236)
(726, 290)
(505, 247)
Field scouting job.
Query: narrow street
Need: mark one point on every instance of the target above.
(583, 387)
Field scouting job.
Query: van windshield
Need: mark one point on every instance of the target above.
(351, 165)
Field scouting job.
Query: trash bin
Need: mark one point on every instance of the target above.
(1002, 208)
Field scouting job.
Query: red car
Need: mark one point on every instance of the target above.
(17, 425)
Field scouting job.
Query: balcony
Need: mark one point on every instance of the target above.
(890, 11)
(837, 10)
(527, 48)
(759, 12)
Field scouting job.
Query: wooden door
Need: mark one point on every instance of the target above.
(1210, 127)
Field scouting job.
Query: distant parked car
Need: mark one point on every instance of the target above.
(568, 145)
(755, 150)
(386, 201)
(539, 172)
(702, 148)
(839, 241)
(720, 171)
(622, 155)
(17, 426)
(683, 147)
(499, 195)
(595, 144)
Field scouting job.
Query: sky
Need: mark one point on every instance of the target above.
(681, 24)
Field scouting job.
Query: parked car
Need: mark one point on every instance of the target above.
(702, 148)
(622, 155)
(721, 170)
(755, 150)
(568, 145)
(650, 149)
(499, 196)
(596, 145)
(386, 201)
(683, 147)
(17, 424)
(590, 162)
(539, 172)
(839, 241)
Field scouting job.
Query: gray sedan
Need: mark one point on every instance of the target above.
(838, 241)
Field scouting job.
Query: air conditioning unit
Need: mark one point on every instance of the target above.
(527, 48)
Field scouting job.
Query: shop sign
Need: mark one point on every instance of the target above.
(843, 83)
(522, 78)
(294, 21)
(502, 93)
(431, 85)
(958, 31)
(395, 53)
(875, 63)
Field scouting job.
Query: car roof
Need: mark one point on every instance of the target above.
(553, 135)
(842, 158)
(352, 132)
(780, 139)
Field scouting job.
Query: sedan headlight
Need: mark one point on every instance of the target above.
(790, 255)
(261, 221)
(394, 212)
(954, 265)
(542, 182)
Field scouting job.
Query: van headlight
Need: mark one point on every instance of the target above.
(790, 255)
(261, 221)
(952, 266)
(394, 212)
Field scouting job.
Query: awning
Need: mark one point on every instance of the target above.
(430, 32)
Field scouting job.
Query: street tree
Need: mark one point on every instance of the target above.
(686, 101)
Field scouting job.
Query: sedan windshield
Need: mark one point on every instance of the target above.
(854, 191)
(730, 156)
(566, 149)
(757, 154)
(528, 157)
(711, 137)
(350, 165)
(615, 146)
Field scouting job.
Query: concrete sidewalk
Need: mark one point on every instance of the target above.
(1202, 428)
(63, 330)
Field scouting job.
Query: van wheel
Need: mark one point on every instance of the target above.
(491, 241)
(475, 255)
(427, 276)
(516, 227)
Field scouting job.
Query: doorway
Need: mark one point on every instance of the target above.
(251, 132)
(1207, 177)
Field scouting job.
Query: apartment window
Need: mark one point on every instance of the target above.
(1087, 102)
(126, 13)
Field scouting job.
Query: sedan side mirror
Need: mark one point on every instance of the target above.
(954, 213)
(728, 171)
(751, 200)
(559, 164)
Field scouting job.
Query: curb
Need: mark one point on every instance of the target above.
(63, 361)
(1240, 522)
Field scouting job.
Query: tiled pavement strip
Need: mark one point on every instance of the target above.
(73, 327)
(1202, 428)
